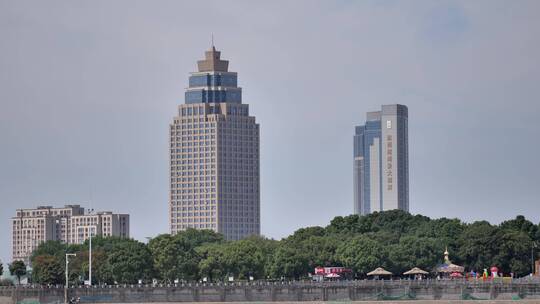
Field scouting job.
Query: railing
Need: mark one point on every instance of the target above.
(355, 283)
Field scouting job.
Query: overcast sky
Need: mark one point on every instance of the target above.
(88, 89)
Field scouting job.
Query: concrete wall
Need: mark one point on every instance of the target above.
(348, 291)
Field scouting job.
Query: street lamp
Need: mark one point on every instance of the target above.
(67, 276)
(92, 230)
(533, 245)
(91, 211)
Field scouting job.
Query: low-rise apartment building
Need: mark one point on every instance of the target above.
(69, 224)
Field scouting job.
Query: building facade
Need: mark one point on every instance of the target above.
(381, 161)
(214, 156)
(69, 224)
(104, 224)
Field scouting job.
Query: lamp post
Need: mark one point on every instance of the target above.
(90, 259)
(533, 245)
(67, 276)
(92, 230)
(91, 211)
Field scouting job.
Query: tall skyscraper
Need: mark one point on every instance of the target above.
(381, 161)
(214, 156)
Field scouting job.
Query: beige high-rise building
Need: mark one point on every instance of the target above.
(69, 224)
(214, 156)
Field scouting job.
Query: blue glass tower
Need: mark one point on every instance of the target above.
(381, 161)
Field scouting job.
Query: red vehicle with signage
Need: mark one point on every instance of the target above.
(322, 273)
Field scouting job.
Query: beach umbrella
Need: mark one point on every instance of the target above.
(415, 270)
(379, 272)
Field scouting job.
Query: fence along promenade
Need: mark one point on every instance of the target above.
(279, 291)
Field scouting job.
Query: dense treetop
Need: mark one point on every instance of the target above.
(395, 240)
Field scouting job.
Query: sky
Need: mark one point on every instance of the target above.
(88, 89)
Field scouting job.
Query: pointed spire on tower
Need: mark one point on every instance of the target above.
(212, 61)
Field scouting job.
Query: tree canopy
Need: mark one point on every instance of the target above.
(395, 240)
(18, 269)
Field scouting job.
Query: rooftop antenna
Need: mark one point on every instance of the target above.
(212, 39)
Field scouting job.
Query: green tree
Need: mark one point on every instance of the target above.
(47, 269)
(320, 251)
(18, 269)
(362, 254)
(512, 252)
(174, 257)
(303, 234)
(245, 258)
(242, 259)
(211, 264)
(520, 223)
(476, 247)
(349, 225)
(129, 261)
(290, 262)
(50, 248)
(198, 237)
(412, 251)
(101, 272)
(315, 245)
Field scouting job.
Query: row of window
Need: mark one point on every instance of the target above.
(196, 190)
(197, 147)
(194, 167)
(200, 137)
(204, 174)
(193, 220)
(195, 196)
(195, 155)
(186, 214)
(180, 185)
(223, 179)
(203, 194)
(194, 131)
(253, 173)
(178, 172)
(212, 96)
(236, 166)
(236, 138)
(200, 226)
(252, 204)
(236, 217)
(191, 161)
(231, 225)
(186, 124)
(190, 208)
(224, 187)
(216, 80)
(195, 203)
(211, 146)
(236, 110)
(189, 179)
